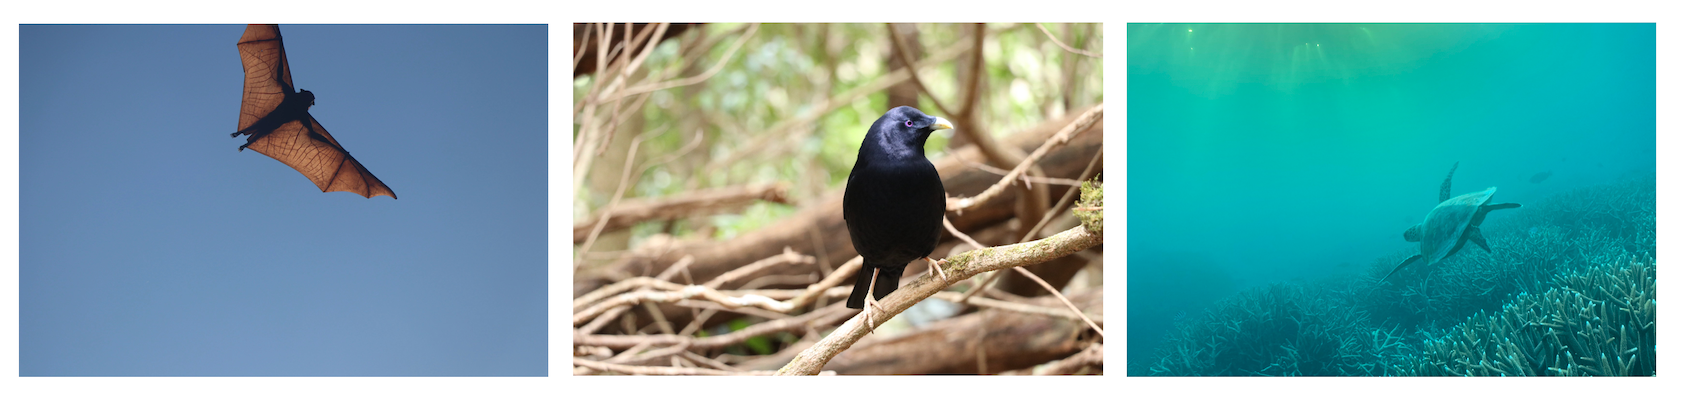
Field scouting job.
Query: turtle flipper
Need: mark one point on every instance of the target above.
(1475, 234)
(1483, 211)
(1447, 184)
(1413, 234)
(1398, 267)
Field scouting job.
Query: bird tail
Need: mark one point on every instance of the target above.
(860, 286)
(888, 281)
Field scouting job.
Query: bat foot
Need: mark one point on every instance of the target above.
(242, 147)
(235, 135)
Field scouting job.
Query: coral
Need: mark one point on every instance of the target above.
(1563, 232)
(1599, 321)
(1282, 329)
(1558, 295)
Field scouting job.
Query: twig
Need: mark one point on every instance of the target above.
(1059, 296)
(630, 212)
(624, 182)
(1079, 125)
(1065, 46)
(1057, 312)
(977, 68)
(1027, 178)
(658, 317)
(728, 55)
(580, 51)
(1067, 197)
(630, 358)
(902, 54)
(687, 292)
(828, 105)
(1092, 356)
(709, 306)
(953, 229)
(1024, 272)
(788, 256)
(642, 370)
(601, 321)
(628, 69)
(709, 362)
(780, 279)
(835, 278)
(959, 267)
(824, 316)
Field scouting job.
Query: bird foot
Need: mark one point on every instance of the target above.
(870, 306)
(937, 270)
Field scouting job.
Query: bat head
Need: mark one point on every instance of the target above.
(307, 96)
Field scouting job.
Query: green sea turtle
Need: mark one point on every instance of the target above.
(1448, 226)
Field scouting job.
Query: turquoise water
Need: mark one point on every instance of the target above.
(1261, 154)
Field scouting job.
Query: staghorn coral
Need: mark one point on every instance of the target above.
(1564, 232)
(1283, 329)
(1598, 321)
(1565, 300)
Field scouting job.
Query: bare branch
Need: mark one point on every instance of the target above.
(899, 52)
(1059, 296)
(641, 370)
(728, 55)
(698, 203)
(1065, 46)
(1092, 356)
(1079, 125)
(787, 256)
(962, 266)
(1027, 178)
(821, 317)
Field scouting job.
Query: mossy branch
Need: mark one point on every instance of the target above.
(957, 268)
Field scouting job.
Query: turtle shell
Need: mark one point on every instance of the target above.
(1444, 228)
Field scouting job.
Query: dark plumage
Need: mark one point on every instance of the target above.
(894, 200)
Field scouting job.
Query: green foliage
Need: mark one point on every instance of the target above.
(756, 119)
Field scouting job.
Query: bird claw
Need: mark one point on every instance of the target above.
(937, 270)
(870, 319)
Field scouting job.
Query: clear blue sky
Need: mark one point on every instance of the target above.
(150, 246)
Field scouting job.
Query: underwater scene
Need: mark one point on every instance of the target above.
(1391, 199)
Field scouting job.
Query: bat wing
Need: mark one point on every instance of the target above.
(267, 76)
(314, 153)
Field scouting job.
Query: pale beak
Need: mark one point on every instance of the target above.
(940, 123)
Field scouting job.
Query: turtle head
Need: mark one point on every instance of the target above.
(1414, 233)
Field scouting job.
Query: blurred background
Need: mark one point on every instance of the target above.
(728, 143)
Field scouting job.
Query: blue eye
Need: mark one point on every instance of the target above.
(907, 123)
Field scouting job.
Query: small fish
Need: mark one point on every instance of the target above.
(1532, 230)
(1179, 317)
(1540, 176)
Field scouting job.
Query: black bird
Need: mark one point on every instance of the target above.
(894, 200)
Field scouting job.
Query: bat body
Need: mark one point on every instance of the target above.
(276, 117)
